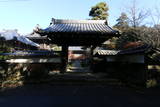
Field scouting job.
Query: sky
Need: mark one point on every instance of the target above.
(24, 15)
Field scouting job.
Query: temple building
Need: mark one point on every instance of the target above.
(67, 33)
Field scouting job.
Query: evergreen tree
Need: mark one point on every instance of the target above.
(122, 22)
(99, 11)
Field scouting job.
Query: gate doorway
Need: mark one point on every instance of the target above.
(78, 59)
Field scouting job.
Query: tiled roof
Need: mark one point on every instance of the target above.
(106, 52)
(79, 26)
(140, 49)
(35, 35)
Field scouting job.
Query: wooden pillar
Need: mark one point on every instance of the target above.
(64, 58)
(91, 57)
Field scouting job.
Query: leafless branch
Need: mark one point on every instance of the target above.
(136, 15)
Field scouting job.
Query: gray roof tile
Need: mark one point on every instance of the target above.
(79, 26)
(139, 49)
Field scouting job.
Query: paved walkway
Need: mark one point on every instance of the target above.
(76, 67)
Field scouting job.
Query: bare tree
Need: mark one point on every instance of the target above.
(136, 16)
(155, 17)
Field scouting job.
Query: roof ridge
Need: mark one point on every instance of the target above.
(72, 21)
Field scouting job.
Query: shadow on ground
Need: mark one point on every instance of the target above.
(62, 94)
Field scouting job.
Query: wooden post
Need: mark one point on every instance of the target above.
(91, 57)
(64, 58)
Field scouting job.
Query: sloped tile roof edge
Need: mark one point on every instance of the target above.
(78, 26)
(69, 21)
(138, 49)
